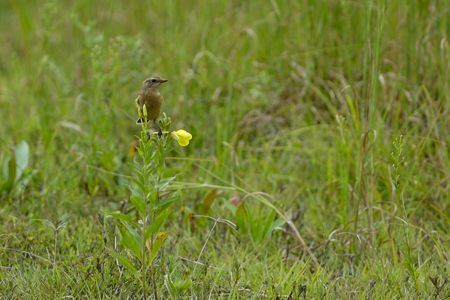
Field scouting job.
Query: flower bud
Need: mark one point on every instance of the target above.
(144, 108)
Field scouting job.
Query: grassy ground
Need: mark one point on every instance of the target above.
(336, 113)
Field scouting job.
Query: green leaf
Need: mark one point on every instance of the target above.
(131, 240)
(157, 244)
(177, 286)
(208, 201)
(182, 285)
(242, 216)
(139, 184)
(124, 218)
(123, 260)
(9, 173)
(154, 227)
(165, 204)
(22, 154)
(138, 203)
(276, 224)
(162, 184)
(266, 230)
(5, 169)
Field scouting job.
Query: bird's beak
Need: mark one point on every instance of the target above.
(163, 80)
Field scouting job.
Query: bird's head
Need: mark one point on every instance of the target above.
(153, 82)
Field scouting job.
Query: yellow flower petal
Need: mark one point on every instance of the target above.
(161, 235)
(184, 134)
(182, 137)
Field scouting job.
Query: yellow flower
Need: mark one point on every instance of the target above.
(161, 235)
(182, 137)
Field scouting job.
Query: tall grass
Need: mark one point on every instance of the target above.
(336, 113)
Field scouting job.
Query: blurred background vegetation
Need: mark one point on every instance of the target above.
(335, 112)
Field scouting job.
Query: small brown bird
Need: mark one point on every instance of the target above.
(151, 97)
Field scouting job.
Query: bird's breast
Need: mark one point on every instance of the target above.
(152, 101)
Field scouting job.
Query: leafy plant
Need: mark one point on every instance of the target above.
(14, 167)
(56, 227)
(140, 228)
(176, 284)
(255, 221)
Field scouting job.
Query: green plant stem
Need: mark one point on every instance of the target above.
(145, 160)
(161, 163)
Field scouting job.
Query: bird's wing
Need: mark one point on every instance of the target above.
(138, 100)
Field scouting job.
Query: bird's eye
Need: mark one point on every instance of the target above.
(153, 80)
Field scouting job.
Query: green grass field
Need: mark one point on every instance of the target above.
(319, 166)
